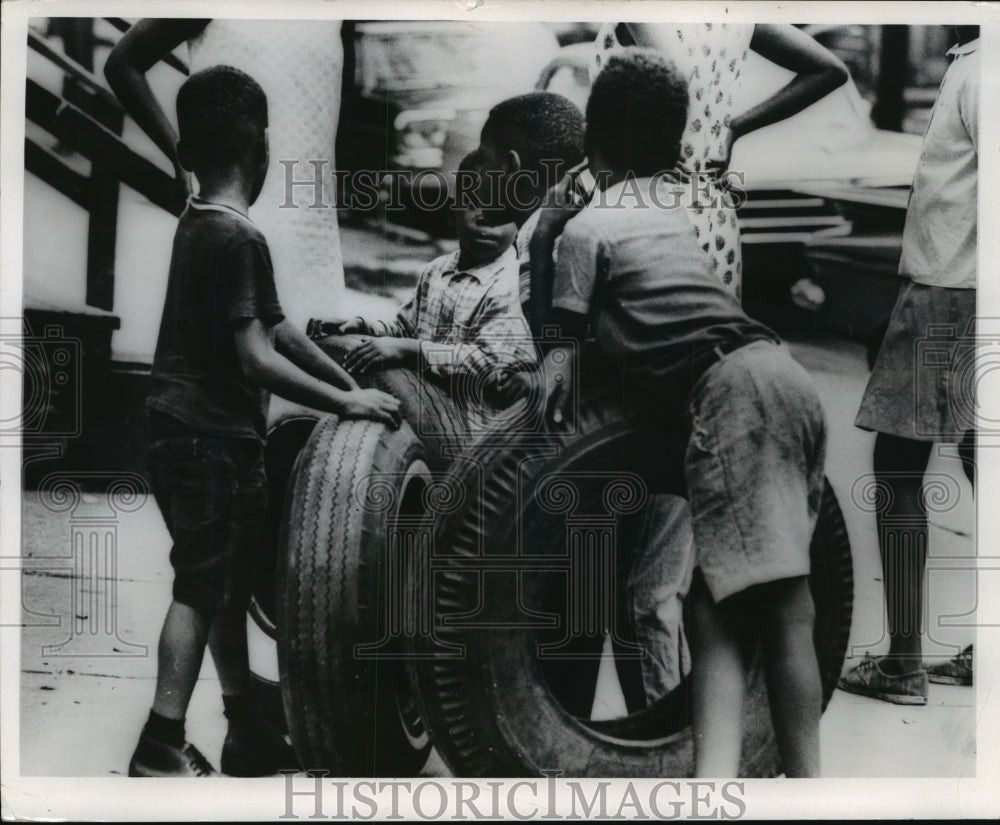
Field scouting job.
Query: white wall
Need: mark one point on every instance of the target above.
(142, 261)
(55, 262)
(55, 247)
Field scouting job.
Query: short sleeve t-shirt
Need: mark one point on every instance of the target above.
(630, 261)
(940, 236)
(220, 276)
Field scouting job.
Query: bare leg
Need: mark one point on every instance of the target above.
(900, 464)
(793, 682)
(227, 640)
(659, 579)
(181, 649)
(717, 682)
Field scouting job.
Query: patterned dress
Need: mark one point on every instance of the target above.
(711, 56)
(299, 66)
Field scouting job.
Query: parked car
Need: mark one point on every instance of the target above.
(422, 91)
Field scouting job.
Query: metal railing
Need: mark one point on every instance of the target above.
(87, 118)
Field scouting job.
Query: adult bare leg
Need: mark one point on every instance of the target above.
(900, 464)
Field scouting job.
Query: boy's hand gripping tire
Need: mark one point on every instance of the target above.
(426, 406)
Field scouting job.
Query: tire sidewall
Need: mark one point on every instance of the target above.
(342, 707)
(491, 714)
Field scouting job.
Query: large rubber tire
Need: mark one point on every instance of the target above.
(483, 690)
(349, 714)
(425, 405)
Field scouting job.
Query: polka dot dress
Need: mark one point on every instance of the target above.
(299, 65)
(711, 56)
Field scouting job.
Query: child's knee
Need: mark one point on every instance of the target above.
(788, 603)
(783, 603)
(212, 600)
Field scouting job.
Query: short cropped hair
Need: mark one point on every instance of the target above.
(637, 112)
(538, 126)
(221, 111)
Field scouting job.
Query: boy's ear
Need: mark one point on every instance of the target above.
(263, 147)
(512, 161)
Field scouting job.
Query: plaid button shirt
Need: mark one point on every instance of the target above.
(469, 321)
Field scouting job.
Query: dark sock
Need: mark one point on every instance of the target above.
(162, 729)
(897, 666)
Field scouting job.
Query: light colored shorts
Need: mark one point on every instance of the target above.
(923, 384)
(754, 468)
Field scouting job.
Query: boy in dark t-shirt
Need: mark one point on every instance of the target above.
(630, 268)
(223, 344)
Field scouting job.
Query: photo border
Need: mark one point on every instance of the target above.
(123, 799)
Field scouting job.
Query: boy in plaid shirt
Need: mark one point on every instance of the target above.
(464, 318)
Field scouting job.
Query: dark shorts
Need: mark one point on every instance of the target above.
(212, 493)
(923, 384)
(754, 468)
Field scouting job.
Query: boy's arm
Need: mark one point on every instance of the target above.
(390, 351)
(392, 342)
(500, 341)
(264, 365)
(560, 365)
(522, 245)
(295, 345)
(404, 325)
(253, 310)
(561, 206)
(140, 48)
(540, 249)
(968, 108)
(582, 255)
(401, 326)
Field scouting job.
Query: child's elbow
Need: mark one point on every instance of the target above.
(114, 68)
(254, 365)
(837, 73)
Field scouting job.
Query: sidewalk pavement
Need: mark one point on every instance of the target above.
(82, 706)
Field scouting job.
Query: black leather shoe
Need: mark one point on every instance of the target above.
(256, 751)
(152, 758)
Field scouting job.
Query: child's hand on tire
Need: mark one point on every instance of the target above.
(374, 404)
(390, 351)
(317, 329)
